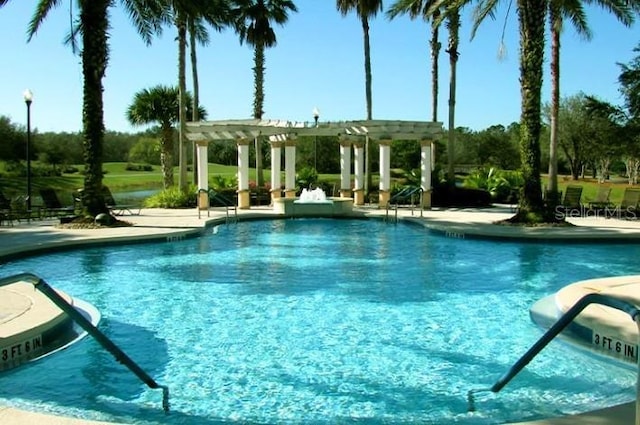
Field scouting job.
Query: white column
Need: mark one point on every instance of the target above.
(243, 174)
(359, 166)
(203, 171)
(290, 169)
(425, 165)
(385, 166)
(203, 174)
(276, 165)
(243, 165)
(345, 169)
(385, 173)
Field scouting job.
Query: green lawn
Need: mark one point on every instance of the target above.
(116, 177)
(120, 180)
(590, 187)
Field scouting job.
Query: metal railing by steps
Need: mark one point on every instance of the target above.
(86, 325)
(558, 326)
(406, 194)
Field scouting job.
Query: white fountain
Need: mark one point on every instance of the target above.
(313, 202)
(311, 196)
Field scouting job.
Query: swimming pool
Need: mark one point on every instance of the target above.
(320, 321)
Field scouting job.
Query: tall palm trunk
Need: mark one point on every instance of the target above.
(166, 154)
(435, 54)
(196, 94)
(95, 22)
(181, 23)
(453, 24)
(258, 106)
(531, 15)
(368, 178)
(555, 22)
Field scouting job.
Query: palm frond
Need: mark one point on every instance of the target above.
(147, 16)
(42, 10)
(623, 10)
(483, 10)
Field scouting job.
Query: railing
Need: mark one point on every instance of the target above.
(223, 201)
(403, 195)
(548, 336)
(85, 324)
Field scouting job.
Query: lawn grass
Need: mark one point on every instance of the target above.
(116, 177)
(121, 180)
(590, 187)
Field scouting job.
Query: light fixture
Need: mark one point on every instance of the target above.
(28, 98)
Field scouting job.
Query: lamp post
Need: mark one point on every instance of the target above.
(316, 116)
(28, 98)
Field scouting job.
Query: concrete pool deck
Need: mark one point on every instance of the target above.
(166, 225)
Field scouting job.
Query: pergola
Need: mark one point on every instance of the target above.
(283, 134)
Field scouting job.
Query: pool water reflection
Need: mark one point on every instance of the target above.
(321, 321)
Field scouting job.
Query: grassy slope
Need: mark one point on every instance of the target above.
(117, 178)
(121, 180)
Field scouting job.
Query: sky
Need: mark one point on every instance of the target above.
(317, 63)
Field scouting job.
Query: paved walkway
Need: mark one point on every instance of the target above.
(163, 224)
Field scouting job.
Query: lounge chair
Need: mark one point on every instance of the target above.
(571, 199)
(52, 205)
(602, 198)
(115, 208)
(630, 202)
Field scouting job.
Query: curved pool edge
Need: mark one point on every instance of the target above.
(39, 328)
(168, 225)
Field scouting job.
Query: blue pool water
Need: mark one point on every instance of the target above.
(320, 321)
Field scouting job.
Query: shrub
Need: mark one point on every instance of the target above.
(70, 169)
(138, 167)
(306, 177)
(173, 198)
(220, 182)
(451, 196)
(501, 184)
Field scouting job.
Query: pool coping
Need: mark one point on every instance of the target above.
(172, 225)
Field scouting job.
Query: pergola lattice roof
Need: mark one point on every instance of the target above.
(282, 129)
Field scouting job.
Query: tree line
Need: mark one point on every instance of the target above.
(253, 21)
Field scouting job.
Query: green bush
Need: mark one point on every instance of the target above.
(138, 167)
(306, 177)
(219, 182)
(501, 184)
(173, 198)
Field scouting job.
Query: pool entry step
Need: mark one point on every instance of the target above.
(31, 342)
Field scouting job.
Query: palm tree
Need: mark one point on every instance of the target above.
(160, 104)
(93, 27)
(182, 13)
(432, 10)
(365, 9)
(559, 10)
(531, 20)
(197, 34)
(254, 25)
(415, 9)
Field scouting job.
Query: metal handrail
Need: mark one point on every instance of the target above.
(554, 330)
(85, 324)
(223, 200)
(405, 193)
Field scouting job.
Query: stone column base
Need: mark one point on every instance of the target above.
(345, 193)
(383, 200)
(426, 200)
(289, 193)
(203, 200)
(244, 200)
(275, 194)
(358, 197)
